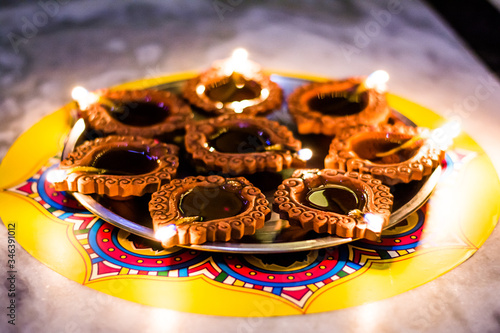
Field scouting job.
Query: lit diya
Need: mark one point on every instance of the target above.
(147, 113)
(327, 107)
(195, 210)
(117, 166)
(393, 154)
(345, 204)
(236, 144)
(234, 85)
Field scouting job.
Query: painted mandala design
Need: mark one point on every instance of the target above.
(295, 277)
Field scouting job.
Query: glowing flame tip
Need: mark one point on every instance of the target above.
(164, 233)
(377, 80)
(83, 97)
(305, 154)
(240, 54)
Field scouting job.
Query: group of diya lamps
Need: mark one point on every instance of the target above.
(350, 197)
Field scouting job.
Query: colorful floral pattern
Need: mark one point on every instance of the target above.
(295, 277)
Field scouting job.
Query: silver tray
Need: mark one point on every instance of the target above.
(277, 235)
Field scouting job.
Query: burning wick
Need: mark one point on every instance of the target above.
(56, 176)
(237, 64)
(442, 136)
(85, 98)
(376, 80)
(305, 154)
(169, 231)
(236, 67)
(165, 233)
(375, 222)
(234, 73)
(406, 144)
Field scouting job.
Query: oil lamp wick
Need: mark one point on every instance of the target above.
(375, 222)
(85, 98)
(237, 63)
(169, 231)
(442, 136)
(402, 146)
(236, 66)
(376, 80)
(165, 233)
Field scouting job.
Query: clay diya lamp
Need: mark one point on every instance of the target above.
(117, 166)
(345, 204)
(234, 85)
(327, 107)
(195, 210)
(236, 144)
(147, 113)
(394, 154)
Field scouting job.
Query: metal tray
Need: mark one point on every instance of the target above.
(277, 235)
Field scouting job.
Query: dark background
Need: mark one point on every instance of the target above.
(478, 23)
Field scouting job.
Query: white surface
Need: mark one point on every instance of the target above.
(99, 44)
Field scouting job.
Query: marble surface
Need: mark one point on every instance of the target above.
(48, 47)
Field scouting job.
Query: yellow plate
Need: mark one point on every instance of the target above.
(50, 226)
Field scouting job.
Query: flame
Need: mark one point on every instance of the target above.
(56, 176)
(83, 97)
(164, 233)
(377, 80)
(238, 63)
(200, 89)
(305, 154)
(239, 69)
(240, 55)
(375, 221)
